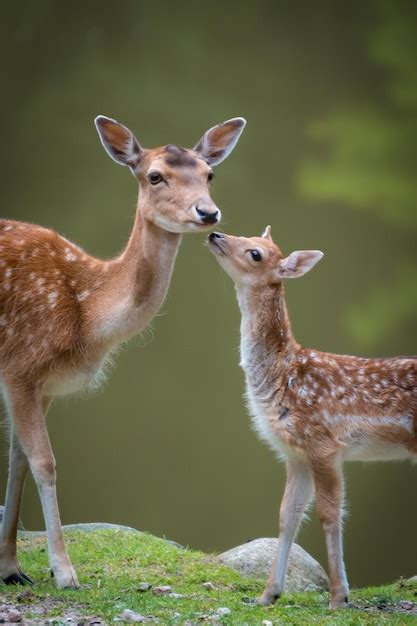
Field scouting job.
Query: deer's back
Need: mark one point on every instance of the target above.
(43, 280)
(367, 407)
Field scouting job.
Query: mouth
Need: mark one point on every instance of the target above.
(215, 244)
(199, 225)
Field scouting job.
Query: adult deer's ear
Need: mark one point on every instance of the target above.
(267, 233)
(298, 263)
(218, 142)
(118, 141)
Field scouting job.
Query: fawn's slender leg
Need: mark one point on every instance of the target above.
(328, 480)
(29, 423)
(297, 495)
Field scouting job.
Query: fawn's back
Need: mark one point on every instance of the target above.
(367, 408)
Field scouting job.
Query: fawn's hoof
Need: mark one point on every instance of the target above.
(267, 598)
(18, 579)
(339, 603)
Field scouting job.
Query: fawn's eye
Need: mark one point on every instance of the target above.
(155, 178)
(256, 255)
(210, 176)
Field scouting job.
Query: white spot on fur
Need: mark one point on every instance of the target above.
(69, 255)
(83, 295)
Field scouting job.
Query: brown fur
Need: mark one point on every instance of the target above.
(62, 312)
(314, 408)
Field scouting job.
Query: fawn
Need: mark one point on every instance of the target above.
(316, 410)
(63, 311)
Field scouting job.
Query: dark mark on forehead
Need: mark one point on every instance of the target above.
(179, 157)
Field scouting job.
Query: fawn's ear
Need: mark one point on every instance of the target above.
(218, 142)
(267, 233)
(298, 263)
(118, 141)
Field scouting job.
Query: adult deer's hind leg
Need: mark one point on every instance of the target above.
(28, 415)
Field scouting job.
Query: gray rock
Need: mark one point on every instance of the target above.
(129, 616)
(222, 611)
(209, 586)
(19, 524)
(174, 543)
(92, 527)
(87, 528)
(162, 590)
(9, 614)
(255, 559)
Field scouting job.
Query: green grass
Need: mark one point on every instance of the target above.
(111, 564)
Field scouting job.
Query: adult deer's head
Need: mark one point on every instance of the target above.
(175, 182)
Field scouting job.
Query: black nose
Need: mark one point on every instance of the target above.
(207, 217)
(214, 236)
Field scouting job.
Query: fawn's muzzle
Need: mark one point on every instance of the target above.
(217, 240)
(214, 236)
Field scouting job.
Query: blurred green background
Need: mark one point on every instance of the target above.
(328, 158)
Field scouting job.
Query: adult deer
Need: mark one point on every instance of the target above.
(315, 409)
(63, 311)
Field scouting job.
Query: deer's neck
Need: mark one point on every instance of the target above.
(267, 343)
(138, 280)
(146, 264)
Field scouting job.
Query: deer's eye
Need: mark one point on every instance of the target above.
(155, 178)
(256, 255)
(210, 176)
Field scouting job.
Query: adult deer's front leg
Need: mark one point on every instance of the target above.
(10, 570)
(29, 423)
(328, 480)
(298, 493)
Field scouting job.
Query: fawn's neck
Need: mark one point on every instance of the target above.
(266, 337)
(139, 279)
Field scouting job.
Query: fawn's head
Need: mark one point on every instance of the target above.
(175, 182)
(258, 261)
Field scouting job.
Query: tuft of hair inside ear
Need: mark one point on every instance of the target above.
(218, 142)
(299, 263)
(118, 141)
